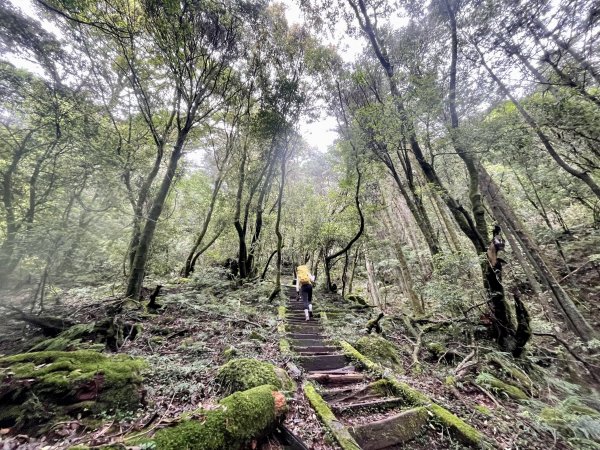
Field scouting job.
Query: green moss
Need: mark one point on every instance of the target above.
(464, 432)
(284, 347)
(483, 410)
(511, 370)
(324, 318)
(355, 298)
(498, 386)
(256, 336)
(230, 352)
(281, 312)
(379, 349)
(68, 339)
(436, 348)
(233, 424)
(339, 431)
(245, 373)
(450, 380)
(359, 358)
(382, 387)
(61, 380)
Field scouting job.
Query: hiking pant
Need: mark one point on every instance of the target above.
(306, 292)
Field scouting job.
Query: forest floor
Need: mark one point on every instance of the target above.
(206, 320)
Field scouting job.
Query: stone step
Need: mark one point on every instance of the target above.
(394, 430)
(359, 393)
(324, 362)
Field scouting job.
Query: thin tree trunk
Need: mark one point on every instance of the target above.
(191, 260)
(353, 270)
(372, 282)
(407, 279)
(533, 282)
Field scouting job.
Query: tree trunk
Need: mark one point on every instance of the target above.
(136, 276)
(468, 159)
(503, 212)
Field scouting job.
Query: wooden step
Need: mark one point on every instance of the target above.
(323, 362)
(305, 336)
(333, 379)
(393, 430)
(307, 342)
(304, 328)
(316, 349)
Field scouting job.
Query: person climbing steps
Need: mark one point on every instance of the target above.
(304, 288)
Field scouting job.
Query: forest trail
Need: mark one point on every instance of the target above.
(360, 411)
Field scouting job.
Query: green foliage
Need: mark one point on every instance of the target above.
(573, 419)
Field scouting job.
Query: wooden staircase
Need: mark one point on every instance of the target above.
(373, 417)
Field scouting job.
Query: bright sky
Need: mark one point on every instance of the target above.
(319, 133)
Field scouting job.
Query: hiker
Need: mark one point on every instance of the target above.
(304, 281)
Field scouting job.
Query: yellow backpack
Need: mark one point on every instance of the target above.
(303, 274)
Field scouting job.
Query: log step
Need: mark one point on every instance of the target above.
(324, 362)
(369, 402)
(393, 430)
(333, 379)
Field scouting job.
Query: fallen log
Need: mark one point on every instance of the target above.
(233, 424)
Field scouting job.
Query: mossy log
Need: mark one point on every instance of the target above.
(37, 387)
(500, 387)
(245, 373)
(49, 325)
(339, 431)
(110, 333)
(233, 424)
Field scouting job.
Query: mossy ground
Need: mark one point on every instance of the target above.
(51, 384)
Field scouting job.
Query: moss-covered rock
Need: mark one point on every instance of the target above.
(356, 299)
(237, 420)
(242, 374)
(378, 349)
(56, 383)
(436, 348)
